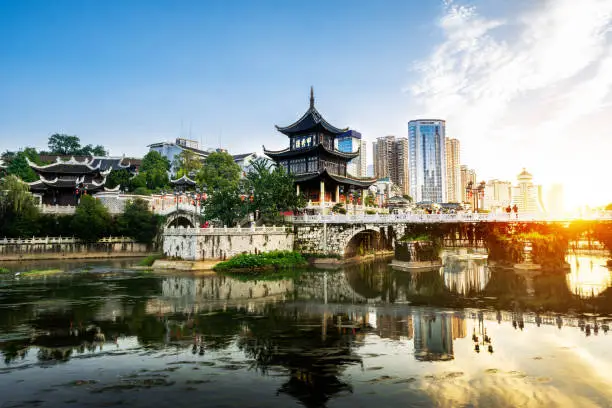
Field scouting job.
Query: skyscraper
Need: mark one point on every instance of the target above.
(349, 142)
(453, 175)
(427, 160)
(391, 160)
(526, 195)
(497, 195)
(466, 175)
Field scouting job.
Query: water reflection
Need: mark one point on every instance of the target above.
(465, 272)
(589, 275)
(320, 337)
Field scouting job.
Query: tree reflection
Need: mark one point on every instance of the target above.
(314, 356)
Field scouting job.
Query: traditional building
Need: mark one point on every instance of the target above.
(64, 182)
(320, 170)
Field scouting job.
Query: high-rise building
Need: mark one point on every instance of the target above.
(453, 175)
(350, 142)
(526, 195)
(497, 195)
(554, 200)
(466, 175)
(427, 167)
(391, 160)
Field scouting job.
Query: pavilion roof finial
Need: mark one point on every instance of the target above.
(311, 97)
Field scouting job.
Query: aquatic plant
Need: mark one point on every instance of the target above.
(4, 270)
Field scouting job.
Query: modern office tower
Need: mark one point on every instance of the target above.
(453, 175)
(391, 160)
(427, 160)
(350, 142)
(363, 159)
(554, 200)
(526, 195)
(497, 195)
(466, 175)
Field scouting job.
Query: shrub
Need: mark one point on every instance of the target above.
(149, 260)
(274, 259)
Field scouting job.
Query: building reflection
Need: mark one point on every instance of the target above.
(434, 334)
(464, 273)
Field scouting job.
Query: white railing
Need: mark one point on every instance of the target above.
(59, 240)
(57, 209)
(434, 218)
(225, 230)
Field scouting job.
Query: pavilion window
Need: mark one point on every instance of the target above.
(298, 166)
(313, 164)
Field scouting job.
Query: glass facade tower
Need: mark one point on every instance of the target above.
(427, 160)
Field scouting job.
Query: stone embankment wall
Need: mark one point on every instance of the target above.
(50, 248)
(336, 238)
(194, 244)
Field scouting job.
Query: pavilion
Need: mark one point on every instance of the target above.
(320, 169)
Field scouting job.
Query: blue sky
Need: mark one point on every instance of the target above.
(515, 80)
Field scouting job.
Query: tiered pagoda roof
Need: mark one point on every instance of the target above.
(325, 175)
(311, 121)
(318, 148)
(183, 181)
(69, 174)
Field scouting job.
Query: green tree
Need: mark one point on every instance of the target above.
(407, 197)
(274, 191)
(186, 163)
(119, 177)
(91, 220)
(225, 205)
(154, 160)
(154, 169)
(138, 181)
(63, 144)
(18, 166)
(139, 222)
(90, 150)
(18, 211)
(157, 179)
(219, 172)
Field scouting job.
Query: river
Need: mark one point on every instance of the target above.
(468, 334)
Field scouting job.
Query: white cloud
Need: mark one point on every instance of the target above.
(512, 88)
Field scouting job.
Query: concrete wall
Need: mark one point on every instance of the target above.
(222, 243)
(24, 251)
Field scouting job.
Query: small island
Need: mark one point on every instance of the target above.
(273, 260)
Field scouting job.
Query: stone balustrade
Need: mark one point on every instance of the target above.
(435, 218)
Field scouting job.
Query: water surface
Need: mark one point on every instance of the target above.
(466, 335)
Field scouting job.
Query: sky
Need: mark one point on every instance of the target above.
(520, 83)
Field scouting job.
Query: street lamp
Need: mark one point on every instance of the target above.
(476, 192)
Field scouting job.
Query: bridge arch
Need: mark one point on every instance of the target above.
(182, 219)
(360, 241)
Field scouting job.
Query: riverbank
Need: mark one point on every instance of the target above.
(40, 249)
(325, 263)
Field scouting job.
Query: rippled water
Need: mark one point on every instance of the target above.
(467, 335)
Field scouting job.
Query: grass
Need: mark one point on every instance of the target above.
(267, 260)
(4, 270)
(149, 260)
